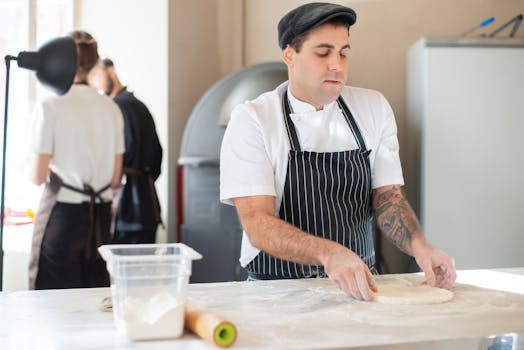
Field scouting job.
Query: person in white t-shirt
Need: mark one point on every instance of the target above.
(308, 165)
(78, 145)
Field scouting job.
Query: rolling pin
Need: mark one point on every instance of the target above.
(209, 326)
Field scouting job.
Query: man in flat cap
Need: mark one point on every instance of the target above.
(308, 164)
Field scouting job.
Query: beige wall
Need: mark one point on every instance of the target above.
(194, 65)
(383, 32)
(135, 36)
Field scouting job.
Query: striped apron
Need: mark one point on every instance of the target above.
(326, 194)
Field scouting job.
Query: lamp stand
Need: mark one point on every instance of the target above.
(8, 59)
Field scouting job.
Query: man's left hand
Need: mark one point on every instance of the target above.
(438, 267)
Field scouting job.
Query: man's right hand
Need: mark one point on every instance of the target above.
(285, 241)
(350, 273)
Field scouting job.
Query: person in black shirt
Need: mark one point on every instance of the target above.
(137, 213)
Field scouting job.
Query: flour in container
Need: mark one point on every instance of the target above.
(159, 316)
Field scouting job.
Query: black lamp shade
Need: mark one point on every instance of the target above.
(55, 63)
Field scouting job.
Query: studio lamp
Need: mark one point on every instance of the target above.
(55, 65)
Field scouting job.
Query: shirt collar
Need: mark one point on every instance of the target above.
(304, 107)
(122, 90)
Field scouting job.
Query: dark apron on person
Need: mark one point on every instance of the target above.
(52, 214)
(152, 190)
(327, 194)
(137, 208)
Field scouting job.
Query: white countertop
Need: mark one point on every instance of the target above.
(285, 314)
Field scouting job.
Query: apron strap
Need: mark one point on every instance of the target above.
(352, 123)
(292, 133)
(290, 127)
(88, 190)
(95, 232)
(152, 190)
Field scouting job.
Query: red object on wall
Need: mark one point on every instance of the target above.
(13, 217)
(180, 202)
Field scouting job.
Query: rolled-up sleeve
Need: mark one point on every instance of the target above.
(245, 168)
(387, 169)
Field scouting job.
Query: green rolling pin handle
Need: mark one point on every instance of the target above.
(225, 334)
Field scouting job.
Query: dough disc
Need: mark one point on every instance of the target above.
(411, 295)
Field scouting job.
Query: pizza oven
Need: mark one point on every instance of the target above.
(210, 227)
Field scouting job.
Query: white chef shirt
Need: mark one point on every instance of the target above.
(83, 131)
(255, 148)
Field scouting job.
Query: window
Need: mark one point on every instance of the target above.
(25, 25)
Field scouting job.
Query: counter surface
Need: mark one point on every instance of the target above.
(285, 314)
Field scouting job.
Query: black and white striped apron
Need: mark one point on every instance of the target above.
(327, 194)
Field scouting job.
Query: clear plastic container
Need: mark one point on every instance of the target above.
(149, 286)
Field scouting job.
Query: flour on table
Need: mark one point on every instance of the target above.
(411, 294)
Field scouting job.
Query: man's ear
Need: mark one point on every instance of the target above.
(111, 72)
(288, 56)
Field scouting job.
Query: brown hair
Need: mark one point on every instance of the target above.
(106, 63)
(87, 51)
(296, 42)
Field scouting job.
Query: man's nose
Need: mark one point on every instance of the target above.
(335, 63)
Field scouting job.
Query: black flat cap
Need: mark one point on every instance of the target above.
(309, 16)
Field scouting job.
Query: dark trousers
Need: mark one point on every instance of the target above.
(62, 262)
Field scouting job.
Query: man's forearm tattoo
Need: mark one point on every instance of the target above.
(395, 218)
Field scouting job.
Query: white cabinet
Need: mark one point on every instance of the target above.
(466, 132)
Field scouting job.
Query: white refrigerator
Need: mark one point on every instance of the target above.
(465, 131)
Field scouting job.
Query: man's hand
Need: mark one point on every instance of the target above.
(438, 267)
(285, 241)
(398, 222)
(350, 273)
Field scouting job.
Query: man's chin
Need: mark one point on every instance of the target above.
(332, 92)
